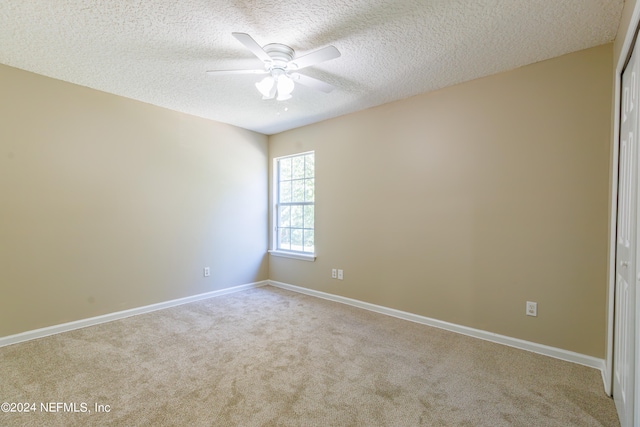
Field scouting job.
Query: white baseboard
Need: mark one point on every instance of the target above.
(557, 353)
(569, 356)
(64, 327)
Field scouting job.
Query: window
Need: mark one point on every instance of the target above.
(294, 194)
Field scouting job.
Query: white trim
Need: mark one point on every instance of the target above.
(557, 353)
(302, 153)
(294, 255)
(65, 327)
(607, 379)
(607, 373)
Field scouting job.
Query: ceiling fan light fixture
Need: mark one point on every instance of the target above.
(267, 87)
(285, 86)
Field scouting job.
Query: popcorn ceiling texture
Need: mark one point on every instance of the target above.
(157, 51)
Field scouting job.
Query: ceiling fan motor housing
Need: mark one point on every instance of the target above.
(280, 54)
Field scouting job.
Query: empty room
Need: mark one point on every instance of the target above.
(339, 212)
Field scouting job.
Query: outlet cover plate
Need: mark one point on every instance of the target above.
(532, 308)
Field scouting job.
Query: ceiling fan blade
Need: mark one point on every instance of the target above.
(311, 82)
(321, 55)
(223, 72)
(252, 45)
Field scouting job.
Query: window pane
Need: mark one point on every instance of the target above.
(285, 217)
(297, 167)
(308, 241)
(309, 166)
(297, 219)
(309, 190)
(296, 239)
(285, 192)
(285, 239)
(308, 216)
(285, 169)
(297, 190)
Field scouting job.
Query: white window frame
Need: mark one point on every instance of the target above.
(304, 256)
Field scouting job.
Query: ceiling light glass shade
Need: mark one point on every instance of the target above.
(267, 87)
(279, 84)
(285, 87)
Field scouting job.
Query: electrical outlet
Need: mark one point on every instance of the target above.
(340, 275)
(334, 273)
(207, 272)
(532, 308)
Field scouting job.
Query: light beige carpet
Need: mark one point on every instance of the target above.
(269, 357)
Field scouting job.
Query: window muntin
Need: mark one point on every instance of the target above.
(295, 199)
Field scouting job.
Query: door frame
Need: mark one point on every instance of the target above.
(607, 373)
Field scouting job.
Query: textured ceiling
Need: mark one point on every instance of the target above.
(157, 51)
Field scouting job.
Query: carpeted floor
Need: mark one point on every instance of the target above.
(270, 357)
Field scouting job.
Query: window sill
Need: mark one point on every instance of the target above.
(294, 255)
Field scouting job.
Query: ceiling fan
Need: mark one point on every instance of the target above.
(281, 64)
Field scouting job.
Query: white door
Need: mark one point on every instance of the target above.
(624, 338)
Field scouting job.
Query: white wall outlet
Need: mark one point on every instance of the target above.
(340, 275)
(532, 308)
(334, 273)
(207, 272)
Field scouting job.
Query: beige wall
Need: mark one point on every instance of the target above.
(464, 203)
(108, 204)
